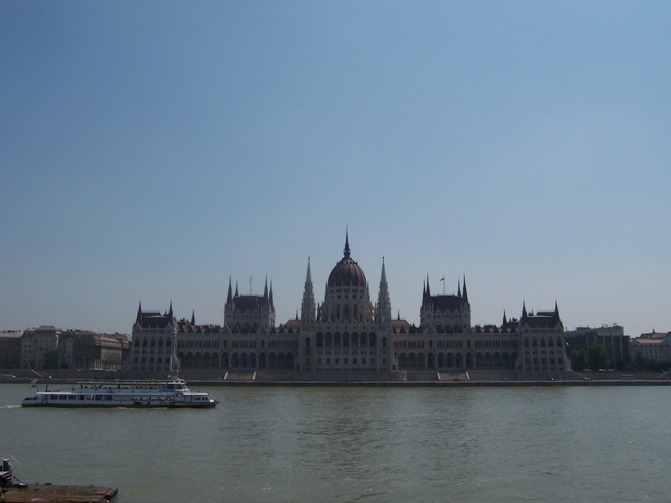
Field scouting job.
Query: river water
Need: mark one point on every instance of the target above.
(357, 444)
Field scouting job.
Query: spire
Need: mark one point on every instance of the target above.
(308, 311)
(265, 289)
(524, 309)
(347, 251)
(465, 294)
(556, 313)
(270, 296)
(236, 289)
(458, 288)
(193, 317)
(229, 297)
(170, 312)
(505, 321)
(383, 302)
(138, 318)
(428, 288)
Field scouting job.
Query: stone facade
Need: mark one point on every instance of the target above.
(36, 343)
(654, 345)
(347, 334)
(10, 349)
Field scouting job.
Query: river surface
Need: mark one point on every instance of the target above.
(587, 444)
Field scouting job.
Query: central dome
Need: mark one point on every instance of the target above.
(347, 272)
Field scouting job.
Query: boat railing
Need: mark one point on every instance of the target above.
(143, 384)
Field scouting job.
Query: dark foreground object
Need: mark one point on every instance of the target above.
(46, 493)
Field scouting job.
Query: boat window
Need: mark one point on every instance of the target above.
(109, 398)
(99, 397)
(62, 397)
(72, 397)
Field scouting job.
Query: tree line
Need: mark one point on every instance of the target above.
(595, 357)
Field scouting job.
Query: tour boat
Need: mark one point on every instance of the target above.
(171, 393)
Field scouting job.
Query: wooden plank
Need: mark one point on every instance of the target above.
(46, 493)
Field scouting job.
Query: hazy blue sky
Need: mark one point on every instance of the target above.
(151, 150)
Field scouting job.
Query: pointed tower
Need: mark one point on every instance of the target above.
(138, 318)
(270, 296)
(193, 317)
(308, 306)
(465, 293)
(383, 302)
(556, 319)
(347, 250)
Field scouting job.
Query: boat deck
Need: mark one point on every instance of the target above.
(47, 493)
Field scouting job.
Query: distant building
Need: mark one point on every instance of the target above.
(347, 334)
(10, 349)
(37, 343)
(87, 350)
(79, 349)
(654, 345)
(612, 338)
(153, 341)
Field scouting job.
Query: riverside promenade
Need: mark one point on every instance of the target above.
(401, 379)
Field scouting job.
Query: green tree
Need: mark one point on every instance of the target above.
(50, 360)
(597, 358)
(578, 359)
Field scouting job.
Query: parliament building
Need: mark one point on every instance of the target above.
(348, 336)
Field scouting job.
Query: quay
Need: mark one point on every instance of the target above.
(47, 493)
(431, 384)
(398, 379)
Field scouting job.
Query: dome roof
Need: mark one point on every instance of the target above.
(347, 272)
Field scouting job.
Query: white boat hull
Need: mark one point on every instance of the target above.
(172, 394)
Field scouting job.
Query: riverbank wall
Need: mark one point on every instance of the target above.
(402, 379)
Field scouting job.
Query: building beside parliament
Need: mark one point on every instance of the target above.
(348, 334)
